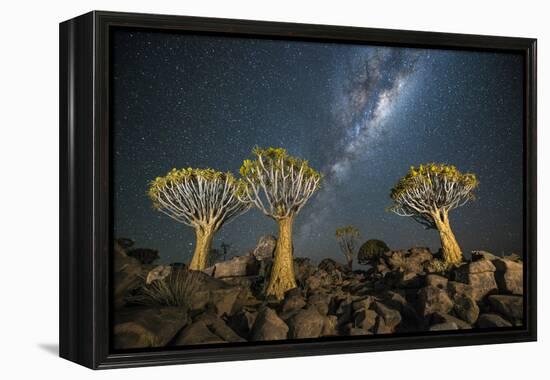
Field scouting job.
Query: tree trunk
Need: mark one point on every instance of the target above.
(282, 273)
(202, 248)
(350, 263)
(452, 254)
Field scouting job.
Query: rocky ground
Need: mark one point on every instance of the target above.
(402, 292)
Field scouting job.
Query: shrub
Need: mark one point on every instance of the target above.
(175, 290)
(371, 250)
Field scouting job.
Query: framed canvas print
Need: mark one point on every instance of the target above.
(238, 190)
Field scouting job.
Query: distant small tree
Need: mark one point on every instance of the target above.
(427, 194)
(204, 199)
(279, 185)
(347, 239)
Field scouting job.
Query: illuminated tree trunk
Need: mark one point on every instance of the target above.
(452, 254)
(202, 248)
(282, 273)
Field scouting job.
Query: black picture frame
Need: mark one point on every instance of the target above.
(85, 194)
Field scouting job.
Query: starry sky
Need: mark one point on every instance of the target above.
(360, 114)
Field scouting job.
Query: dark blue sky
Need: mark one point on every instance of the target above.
(360, 114)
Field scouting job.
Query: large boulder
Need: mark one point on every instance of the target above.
(236, 267)
(268, 326)
(432, 299)
(196, 333)
(307, 323)
(219, 327)
(480, 275)
(243, 321)
(265, 248)
(159, 272)
(466, 308)
(509, 276)
(509, 306)
(365, 319)
(388, 318)
(148, 327)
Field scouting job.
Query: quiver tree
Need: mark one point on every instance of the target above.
(279, 185)
(347, 240)
(200, 198)
(427, 194)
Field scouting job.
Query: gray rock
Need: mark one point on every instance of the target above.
(160, 272)
(489, 320)
(307, 323)
(466, 308)
(224, 300)
(265, 248)
(480, 275)
(509, 306)
(236, 267)
(321, 301)
(147, 327)
(391, 317)
(268, 326)
(432, 299)
(455, 288)
(292, 303)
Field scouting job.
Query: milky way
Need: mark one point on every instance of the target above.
(360, 114)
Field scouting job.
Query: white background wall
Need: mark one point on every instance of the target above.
(29, 187)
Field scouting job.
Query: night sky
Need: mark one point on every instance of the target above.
(360, 114)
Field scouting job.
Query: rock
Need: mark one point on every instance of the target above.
(127, 273)
(362, 303)
(224, 300)
(307, 323)
(292, 303)
(158, 273)
(365, 319)
(391, 317)
(330, 266)
(432, 299)
(268, 326)
(437, 281)
(466, 308)
(509, 306)
(444, 326)
(236, 267)
(265, 248)
(509, 276)
(147, 327)
(439, 317)
(318, 279)
(144, 255)
(489, 320)
(217, 326)
(480, 275)
(321, 301)
(196, 333)
(242, 322)
(303, 268)
(330, 326)
(455, 288)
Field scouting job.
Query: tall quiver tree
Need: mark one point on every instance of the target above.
(427, 194)
(347, 240)
(204, 199)
(279, 185)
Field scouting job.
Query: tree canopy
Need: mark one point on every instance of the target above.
(197, 197)
(277, 183)
(430, 189)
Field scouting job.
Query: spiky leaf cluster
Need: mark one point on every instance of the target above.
(277, 183)
(430, 189)
(197, 197)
